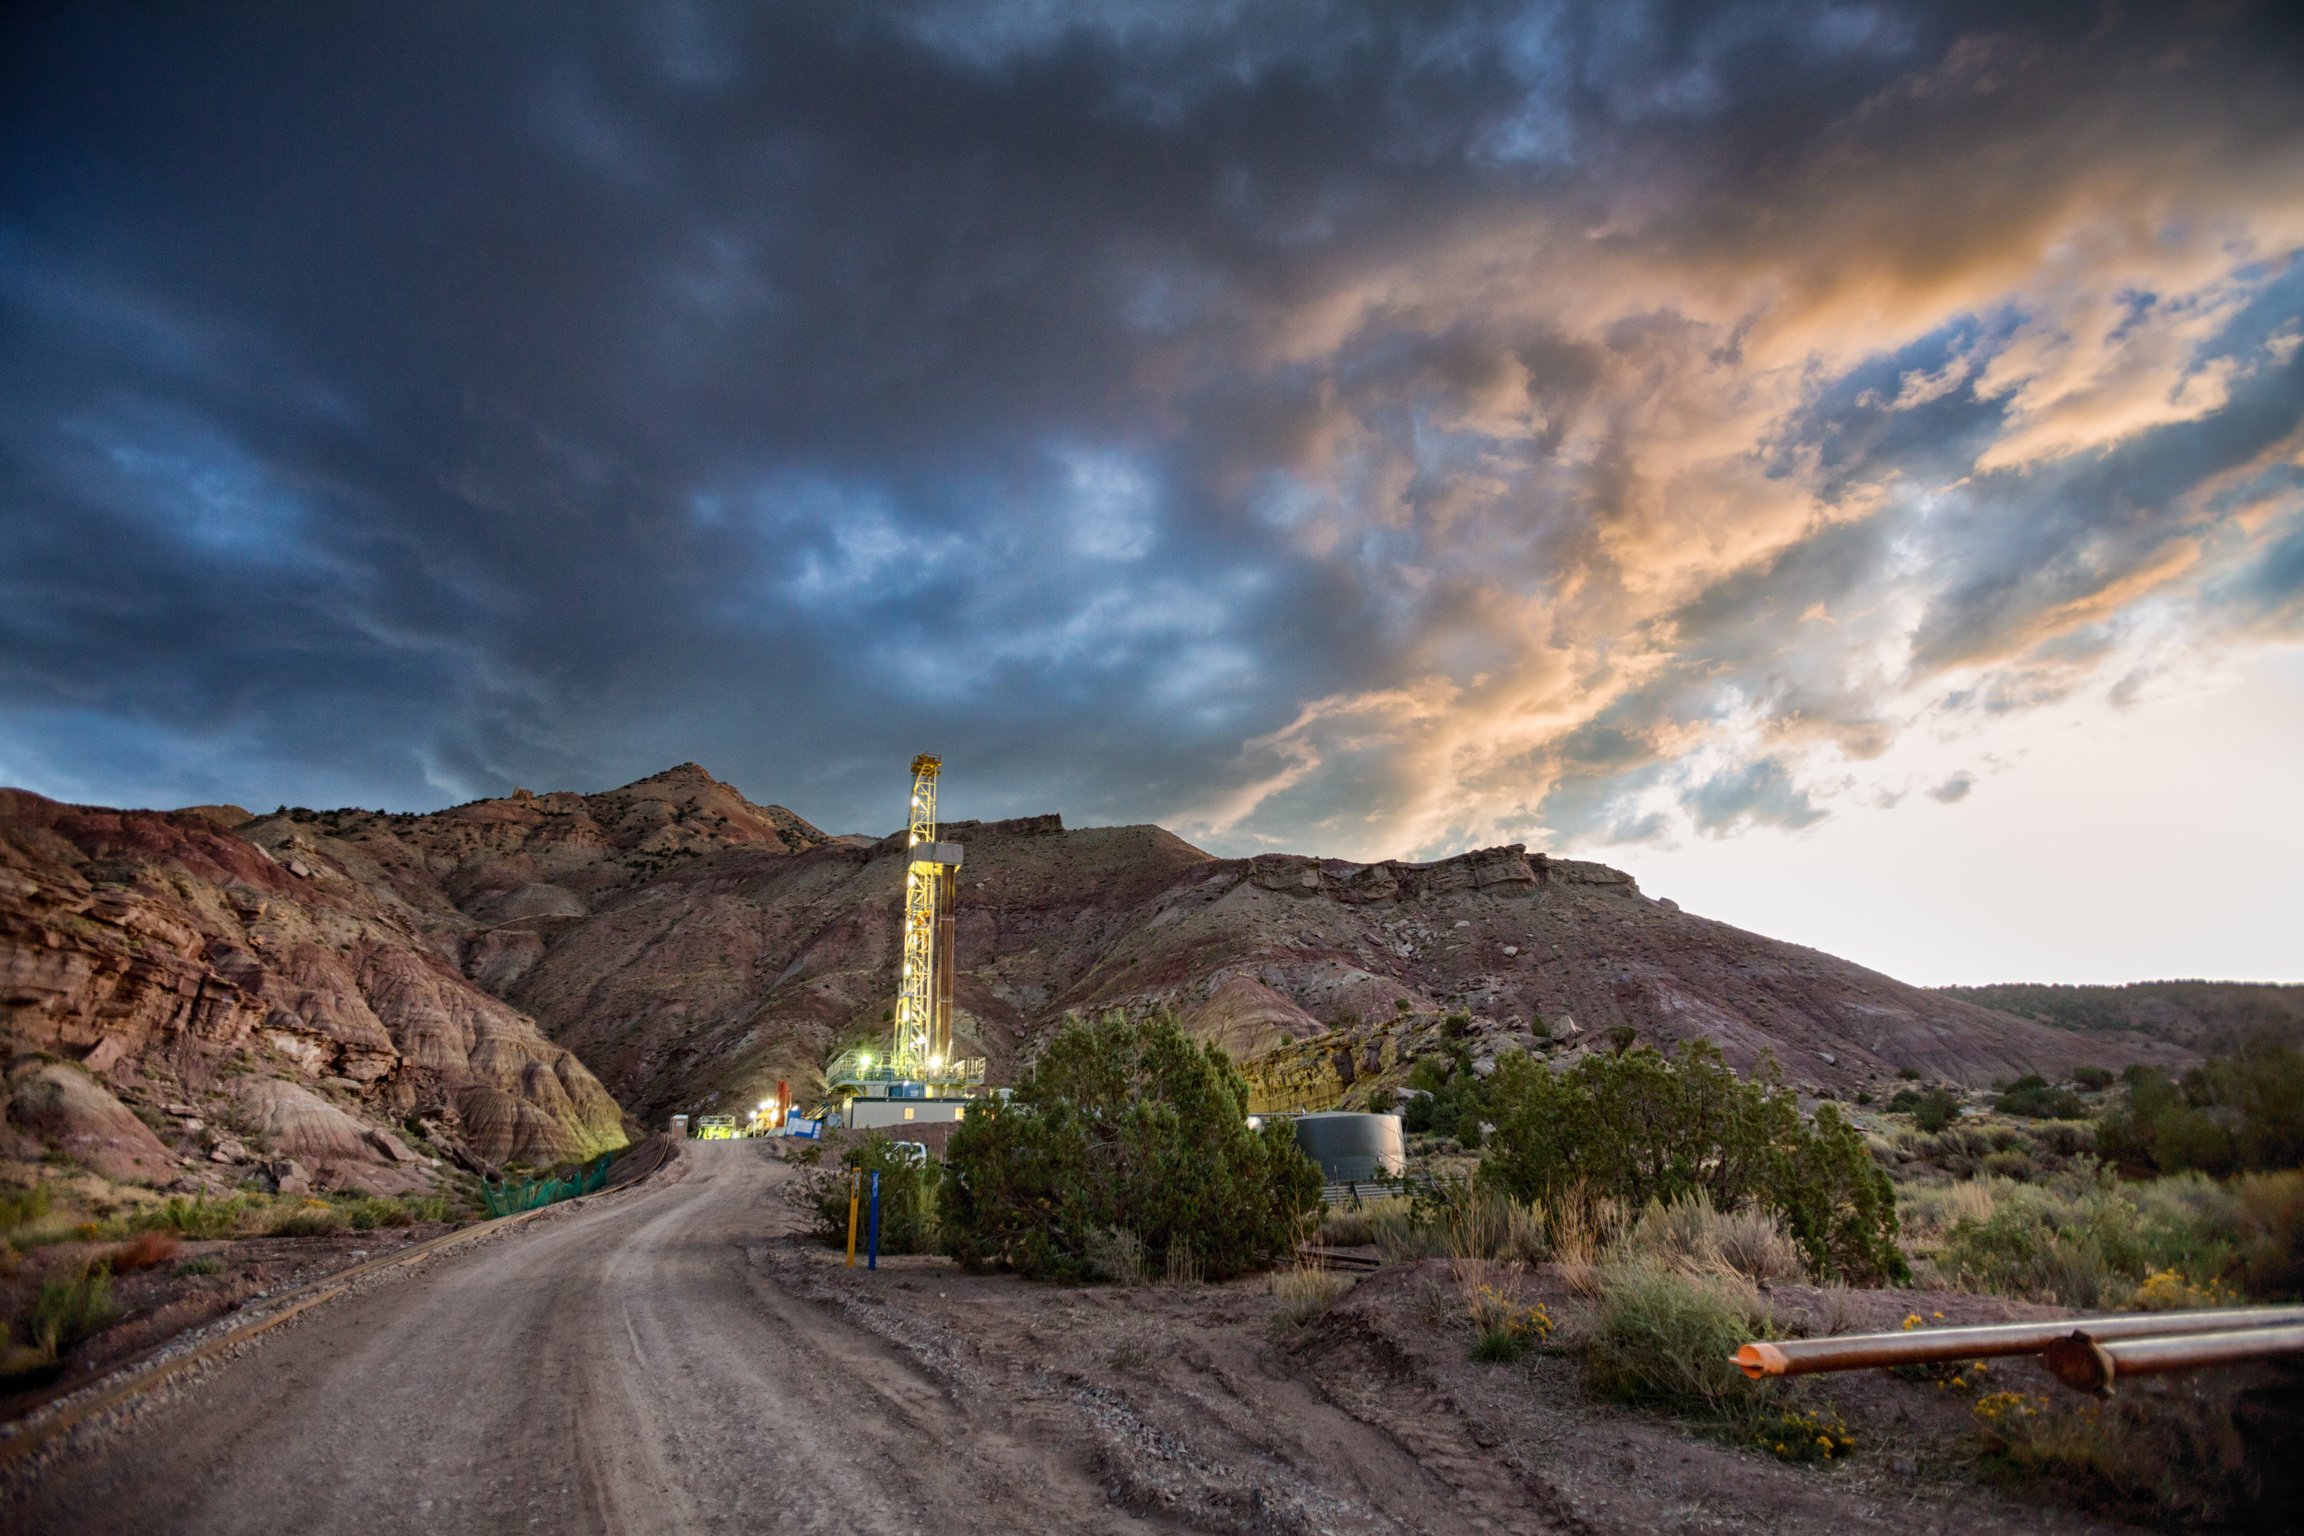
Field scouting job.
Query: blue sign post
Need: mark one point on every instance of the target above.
(872, 1254)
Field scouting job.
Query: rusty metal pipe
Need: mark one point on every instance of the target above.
(2088, 1362)
(1920, 1346)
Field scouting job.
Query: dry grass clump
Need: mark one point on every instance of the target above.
(1183, 1265)
(1582, 1233)
(1117, 1255)
(1305, 1291)
(1690, 1236)
(1346, 1227)
(1665, 1339)
(2090, 1241)
(1400, 1233)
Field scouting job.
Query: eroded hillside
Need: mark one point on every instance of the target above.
(197, 996)
(691, 947)
(747, 946)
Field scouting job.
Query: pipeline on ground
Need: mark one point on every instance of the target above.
(2087, 1353)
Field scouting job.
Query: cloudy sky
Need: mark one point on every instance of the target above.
(1844, 463)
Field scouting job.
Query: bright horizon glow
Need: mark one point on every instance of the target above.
(2049, 869)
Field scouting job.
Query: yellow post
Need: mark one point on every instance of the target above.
(853, 1180)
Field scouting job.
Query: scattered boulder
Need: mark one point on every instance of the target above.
(299, 1123)
(392, 1147)
(228, 1150)
(56, 1103)
(286, 1176)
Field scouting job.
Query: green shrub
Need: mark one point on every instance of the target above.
(2269, 1257)
(2031, 1097)
(908, 1197)
(1504, 1328)
(369, 1214)
(1931, 1109)
(1130, 1125)
(69, 1308)
(1448, 1100)
(313, 1218)
(2094, 1079)
(2241, 1113)
(206, 1264)
(2011, 1164)
(2091, 1242)
(22, 1207)
(1803, 1435)
(1641, 1127)
(198, 1218)
(425, 1207)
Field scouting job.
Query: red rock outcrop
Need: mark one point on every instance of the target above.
(704, 985)
(691, 948)
(276, 993)
(64, 1108)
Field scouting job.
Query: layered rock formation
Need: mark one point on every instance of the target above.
(692, 948)
(244, 994)
(701, 986)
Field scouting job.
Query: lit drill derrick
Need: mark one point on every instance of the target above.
(921, 1051)
(923, 1005)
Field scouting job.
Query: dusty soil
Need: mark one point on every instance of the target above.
(164, 1300)
(679, 1357)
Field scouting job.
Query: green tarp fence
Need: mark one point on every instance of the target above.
(527, 1194)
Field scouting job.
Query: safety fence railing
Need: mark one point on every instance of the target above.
(513, 1195)
(862, 1068)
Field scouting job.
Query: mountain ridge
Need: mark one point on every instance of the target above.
(689, 948)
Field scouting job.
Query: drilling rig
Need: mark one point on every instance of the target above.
(923, 1036)
(919, 1079)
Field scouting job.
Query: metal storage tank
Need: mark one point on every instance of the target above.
(1353, 1148)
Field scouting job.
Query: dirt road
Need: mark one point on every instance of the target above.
(675, 1358)
(629, 1368)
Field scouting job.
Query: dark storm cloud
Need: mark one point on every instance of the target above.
(1761, 792)
(1365, 425)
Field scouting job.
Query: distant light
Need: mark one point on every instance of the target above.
(865, 1059)
(764, 1105)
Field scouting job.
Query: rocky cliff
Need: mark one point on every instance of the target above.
(691, 948)
(195, 996)
(736, 965)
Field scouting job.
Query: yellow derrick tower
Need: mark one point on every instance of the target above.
(923, 1045)
(919, 1081)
